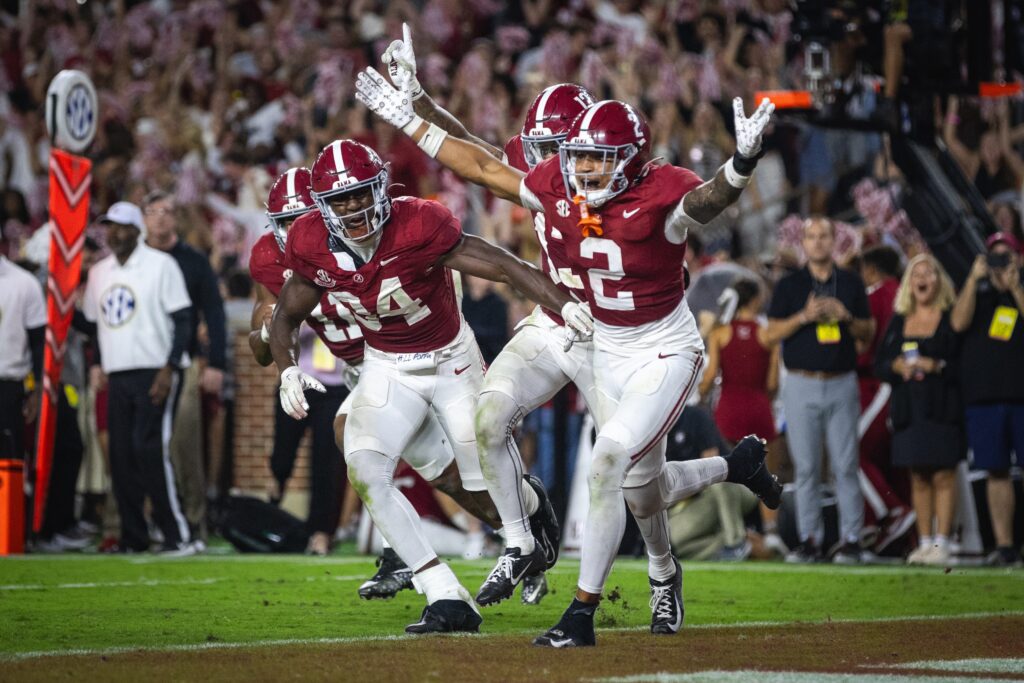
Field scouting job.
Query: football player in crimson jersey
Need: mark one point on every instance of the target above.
(386, 260)
(624, 221)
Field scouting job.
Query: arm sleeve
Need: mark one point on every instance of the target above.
(81, 323)
(891, 346)
(781, 306)
(861, 309)
(182, 322)
(528, 198)
(36, 342)
(213, 314)
(173, 293)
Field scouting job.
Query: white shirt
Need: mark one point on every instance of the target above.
(132, 306)
(22, 307)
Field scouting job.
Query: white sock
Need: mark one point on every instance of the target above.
(926, 542)
(438, 583)
(518, 535)
(661, 568)
(940, 541)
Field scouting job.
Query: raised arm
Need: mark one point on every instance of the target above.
(470, 162)
(476, 256)
(400, 59)
(703, 203)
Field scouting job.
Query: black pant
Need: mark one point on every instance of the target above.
(67, 459)
(327, 480)
(140, 458)
(12, 423)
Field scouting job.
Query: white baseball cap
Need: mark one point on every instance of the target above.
(125, 213)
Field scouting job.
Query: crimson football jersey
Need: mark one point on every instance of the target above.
(633, 273)
(330, 320)
(401, 298)
(553, 261)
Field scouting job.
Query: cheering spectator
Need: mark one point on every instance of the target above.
(988, 313)
(817, 313)
(918, 358)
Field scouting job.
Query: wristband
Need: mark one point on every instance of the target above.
(733, 176)
(264, 334)
(416, 90)
(431, 140)
(413, 125)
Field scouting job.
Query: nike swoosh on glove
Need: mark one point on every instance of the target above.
(401, 62)
(294, 382)
(383, 99)
(577, 316)
(749, 131)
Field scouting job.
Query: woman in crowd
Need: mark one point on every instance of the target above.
(917, 358)
(750, 376)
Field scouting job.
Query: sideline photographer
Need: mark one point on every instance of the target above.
(988, 313)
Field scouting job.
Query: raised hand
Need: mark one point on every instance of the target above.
(749, 131)
(401, 63)
(383, 99)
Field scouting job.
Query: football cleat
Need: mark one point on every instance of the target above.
(534, 589)
(392, 576)
(544, 523)
(574, 629)
(747, 467)
(667, 603)
(447, 616)
(512, 568)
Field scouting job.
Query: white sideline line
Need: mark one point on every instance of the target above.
(754, 676)
(1006, 665)
(200, 647)
(112, 584)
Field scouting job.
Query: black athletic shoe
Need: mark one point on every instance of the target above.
(747, 467)
(392, 576)
(544, 523)
(805, 553)
(447, 616)
(574, 629)
(512, 567)
(534, 589)
(667, 603)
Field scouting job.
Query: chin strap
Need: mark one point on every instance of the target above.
(587, 222)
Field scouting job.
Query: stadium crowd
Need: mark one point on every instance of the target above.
(206, 103)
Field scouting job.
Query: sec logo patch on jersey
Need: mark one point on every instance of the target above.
(117, 305)
(562, 207)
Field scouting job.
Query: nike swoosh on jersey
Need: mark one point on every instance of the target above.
(459, 371)
(629, 214)
(386, 261)
(667, 355)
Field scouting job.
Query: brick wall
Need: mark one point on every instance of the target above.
(255, 396)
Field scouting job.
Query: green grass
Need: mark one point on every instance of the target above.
(144, 601)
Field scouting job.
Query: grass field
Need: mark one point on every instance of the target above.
(134, 606)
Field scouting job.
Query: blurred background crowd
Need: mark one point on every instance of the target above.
(209, 101)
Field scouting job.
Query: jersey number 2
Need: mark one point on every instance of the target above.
(622, 301)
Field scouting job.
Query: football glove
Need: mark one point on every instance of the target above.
(383, 99)
(401, 63)
(294, 382)
(579, 323)
(749, 131)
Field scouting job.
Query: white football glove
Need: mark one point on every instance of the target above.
(350, 376)
(401, 62)
(579, 323)
(294, 382)
(383, 99)
(749, 131)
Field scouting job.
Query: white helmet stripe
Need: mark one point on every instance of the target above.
(339, 162)
(290, 183)
(542, 104)
(589, 116)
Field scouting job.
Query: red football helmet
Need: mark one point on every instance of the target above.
(344, 167)
(548, 119)
(289, 198)
(617, 137)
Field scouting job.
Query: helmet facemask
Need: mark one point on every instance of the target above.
(537, 148)
(281, 221)
(614, 157)
(373, 217)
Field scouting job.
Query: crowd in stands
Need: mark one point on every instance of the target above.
(207, 102)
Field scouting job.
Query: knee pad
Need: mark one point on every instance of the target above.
(496, 416)
(369, 471)
(609, 465)
(646, 500)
